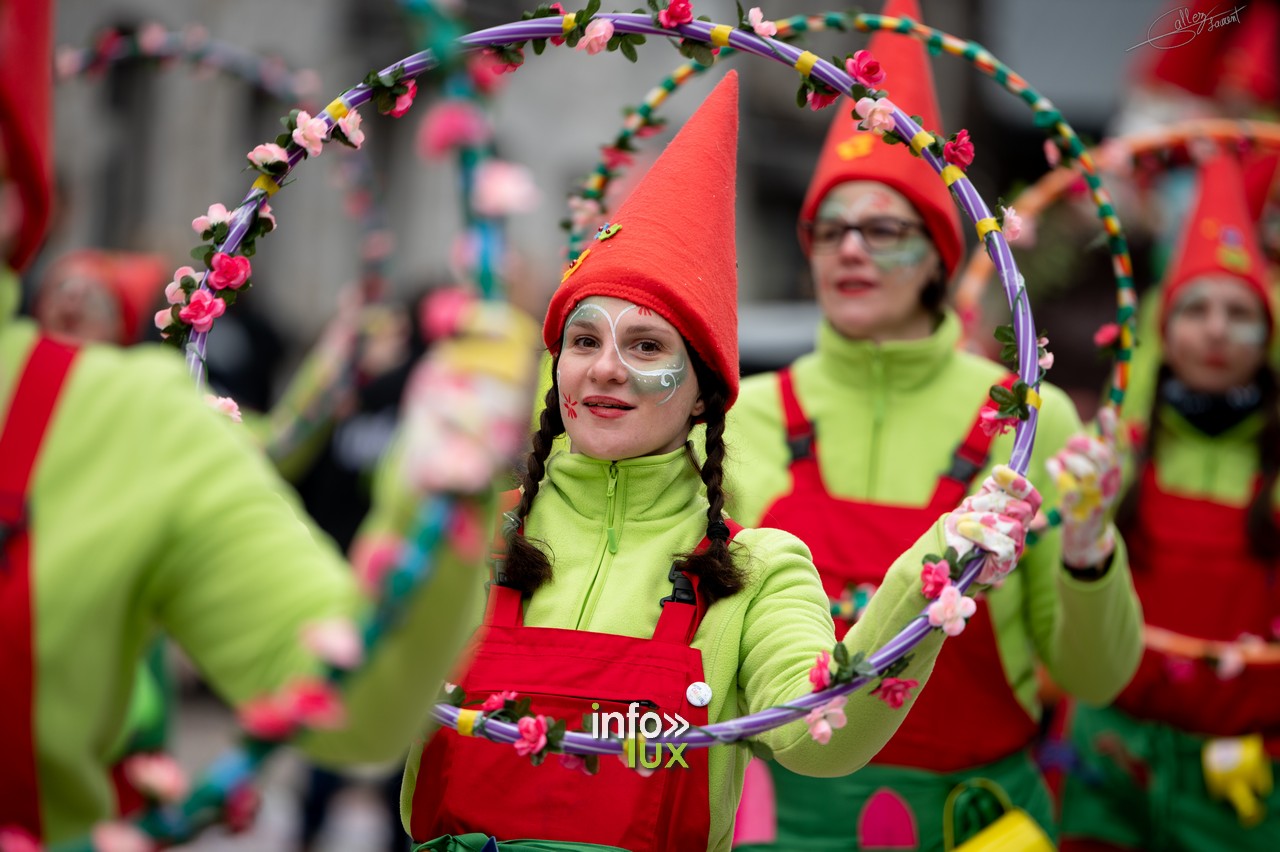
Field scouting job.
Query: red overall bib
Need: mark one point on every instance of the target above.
(472, 785)
(30, 412)
(855, 542)
(1194, 574)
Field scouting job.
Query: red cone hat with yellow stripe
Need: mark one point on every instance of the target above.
(670, 246)
(852, 154)
(1219, 236)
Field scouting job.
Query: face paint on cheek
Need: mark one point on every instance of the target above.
(912, 251)
(834, 208)
(1247, 333)
(669, 377)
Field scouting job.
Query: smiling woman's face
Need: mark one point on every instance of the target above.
(1216, 336)
(627, 387)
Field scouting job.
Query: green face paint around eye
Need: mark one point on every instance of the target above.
(912, 251)
(651, 380)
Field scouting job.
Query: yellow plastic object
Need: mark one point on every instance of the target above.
(1013, 832)
(1238, 769)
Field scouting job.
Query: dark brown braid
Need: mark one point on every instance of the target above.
(527, 567)
(1260, 523)
(719, 577)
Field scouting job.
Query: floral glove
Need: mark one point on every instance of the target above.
(995, 519)
(1087, 473)
(468, 403)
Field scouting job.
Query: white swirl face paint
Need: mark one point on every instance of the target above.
(649, 380)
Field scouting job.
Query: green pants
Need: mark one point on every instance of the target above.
(1141, 785)
(476, 842)
(881, 807)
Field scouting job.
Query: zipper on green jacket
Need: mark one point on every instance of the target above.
(609, 507)
(610, 548)
(877, 420)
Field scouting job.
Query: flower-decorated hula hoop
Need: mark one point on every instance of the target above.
(392, 91)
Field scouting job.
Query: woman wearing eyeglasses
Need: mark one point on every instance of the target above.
(859, 446)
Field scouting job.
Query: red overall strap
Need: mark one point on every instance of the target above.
(680, 619)
(505, 607)
(799, 429)
(30, 411)
(970, 457)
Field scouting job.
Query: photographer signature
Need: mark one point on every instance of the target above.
(1185, 26)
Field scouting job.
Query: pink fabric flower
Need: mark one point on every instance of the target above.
(895, 691)
(876, 115)
(217, 215)
(267, 718)
(14, 839)
(315, 703)
(265, 215)
(485, 70)
(502, 189)
(173, 292)
(865, 68)
(826, 717)
(950, 610)
(241, 808)
(266, 155)
(821, 100)
(993, 424)
(1046, 360)
(1012, 224)
(584, 212)
(1106, 336)
(559, 10)
(597, 36)
(1052, 153)
(959, 152)
(761, 27)
(451, 124)
(164, 319)
(157, 776)
(310, 133)
(336, 641)
(934, 577)
(403, 102)
(1230, 662)
(349, 124)
(533, 735)
(574, 762)
(152, 38)
(228, 271)
(677, 12)
(202, 310)
(614, 158)
(373, 557)
(224, 405)
(820, 674)
(120, 837)
(497, 701)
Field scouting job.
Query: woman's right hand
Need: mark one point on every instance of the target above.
(996, 519)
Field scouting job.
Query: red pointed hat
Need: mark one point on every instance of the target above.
(1259, 178)
(1219, 236)
(673, 249)
(852, 154)
(26, 86)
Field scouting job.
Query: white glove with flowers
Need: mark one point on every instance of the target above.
(1087, 474)
(467, 408)
(995, 519)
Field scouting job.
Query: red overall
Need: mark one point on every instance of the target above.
(30, 411)
(473, 785)
(1194, 574)
(855, 542)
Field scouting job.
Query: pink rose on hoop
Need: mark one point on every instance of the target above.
(820, 99)
(677, 12)
(993, 424)
(826, 717)
(269, 158)
(934, 577)
(959, 151)
(310, 133)
(497, 701)
(224, 405)
(876, 114)
(596, 37)
(217, 215)
(951, 610)
(404, 101)
(865, 68)
(228, 271)
(349, 128)
(174, 293)
(820, 674)
(758, 24)
(895, 691)
(202, 310)
(533, 735)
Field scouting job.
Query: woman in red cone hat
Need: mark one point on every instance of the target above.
(623, 582)
(1186, 756)
(860, 446)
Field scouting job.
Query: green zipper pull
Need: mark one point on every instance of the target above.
(613, 484)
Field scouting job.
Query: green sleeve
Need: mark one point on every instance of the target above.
(788, 622)
(757, 465)
(239, 575)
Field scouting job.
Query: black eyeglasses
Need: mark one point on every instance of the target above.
(883, 233)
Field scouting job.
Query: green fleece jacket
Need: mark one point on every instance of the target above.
(757, 646)
(888, 418)
(149, 512)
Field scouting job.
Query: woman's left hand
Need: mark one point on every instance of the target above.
(995, 519)
(1087, 473)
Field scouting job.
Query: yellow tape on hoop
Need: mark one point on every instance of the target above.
(570, 21)
(720, 35)
(951, 174)
(1033, 398)
(267, 185)
(805, 62)
(921, 140)
(338, 109)
(467, 722)
(986, 226)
